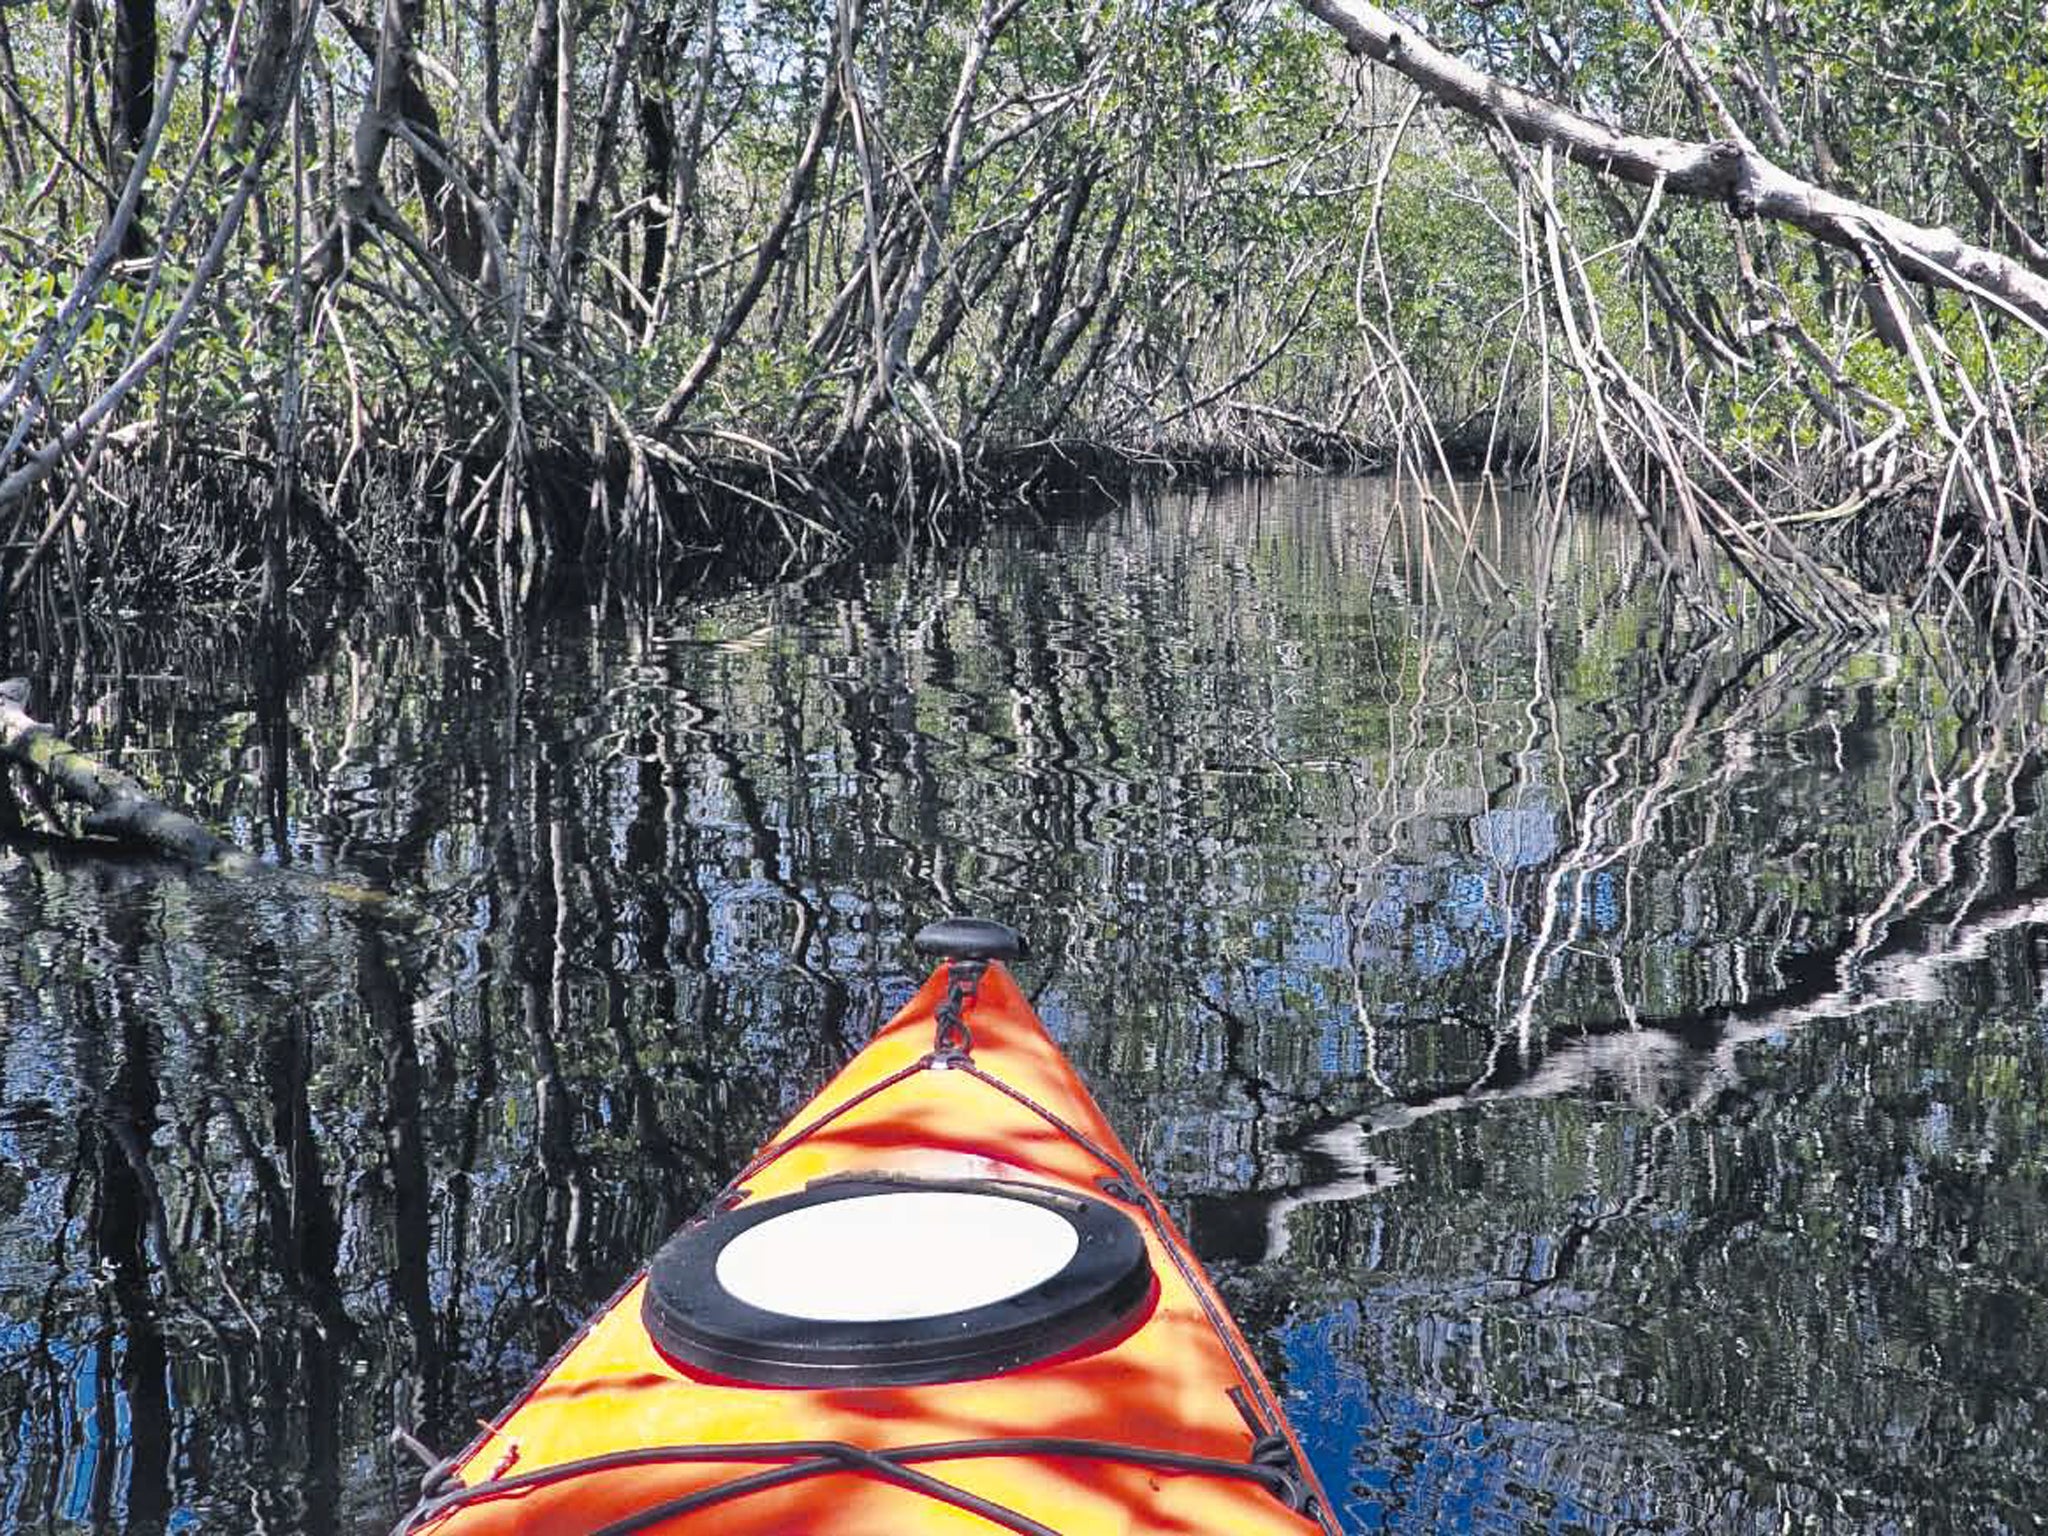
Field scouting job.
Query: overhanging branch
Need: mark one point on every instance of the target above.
(1749, 182)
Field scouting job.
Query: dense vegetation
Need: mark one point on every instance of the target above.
(531, 278)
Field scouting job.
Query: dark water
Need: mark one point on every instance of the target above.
(1601, 1053)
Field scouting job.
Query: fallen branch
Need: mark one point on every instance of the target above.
(121, 810)
(118, 807)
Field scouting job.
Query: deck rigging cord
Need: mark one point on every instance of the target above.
(812, 1458)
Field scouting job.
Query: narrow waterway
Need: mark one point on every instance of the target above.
(1600, 1053)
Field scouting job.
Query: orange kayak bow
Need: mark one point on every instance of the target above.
(942, 1300)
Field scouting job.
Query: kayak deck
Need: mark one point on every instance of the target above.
(1162, 1423)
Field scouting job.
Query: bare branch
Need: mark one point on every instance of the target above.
(1751, 184)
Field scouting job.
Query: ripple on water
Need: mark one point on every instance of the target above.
(1599, 1051)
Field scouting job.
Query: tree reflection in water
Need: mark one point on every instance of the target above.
(1599, 1050)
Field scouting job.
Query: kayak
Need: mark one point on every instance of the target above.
(941, 1300)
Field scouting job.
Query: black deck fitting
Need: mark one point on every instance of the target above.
(970, 938)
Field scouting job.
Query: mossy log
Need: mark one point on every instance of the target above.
(120, 810)
(116, 806)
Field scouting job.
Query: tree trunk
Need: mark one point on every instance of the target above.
(132, 72)
(658, 164)
(398, 95)
(771, 248)
(583, 217)
(928, 235)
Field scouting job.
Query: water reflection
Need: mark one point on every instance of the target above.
(1599, 1050)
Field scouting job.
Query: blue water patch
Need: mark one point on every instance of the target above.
(1396, 1461)
(1516, 836)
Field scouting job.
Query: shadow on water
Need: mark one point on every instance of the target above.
(1599, 1049)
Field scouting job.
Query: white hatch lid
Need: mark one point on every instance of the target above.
(896, 1255)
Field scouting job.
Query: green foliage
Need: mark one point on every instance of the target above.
(28, 300)
(1188, 229)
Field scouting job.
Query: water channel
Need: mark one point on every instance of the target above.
(1601, 1053)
